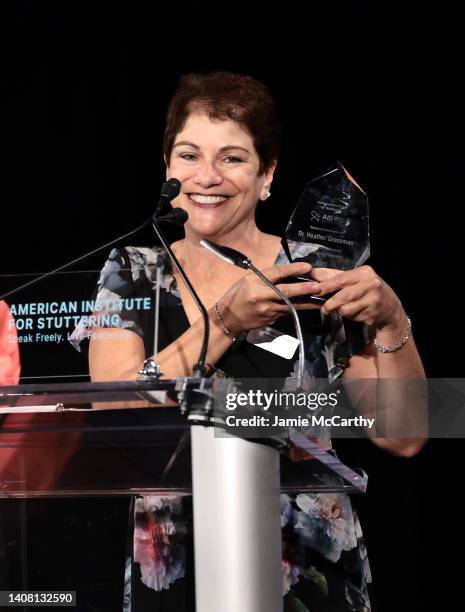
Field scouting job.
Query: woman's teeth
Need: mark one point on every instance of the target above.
(207, 199)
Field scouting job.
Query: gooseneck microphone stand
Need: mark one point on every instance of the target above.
(80, 259)
(238, 259)
(169, 191)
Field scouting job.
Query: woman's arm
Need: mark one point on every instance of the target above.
(118, 354)
(398, 390)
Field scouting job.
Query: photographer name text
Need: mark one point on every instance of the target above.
(311, 421)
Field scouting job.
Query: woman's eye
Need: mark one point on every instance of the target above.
(188, 156)
(231, 159)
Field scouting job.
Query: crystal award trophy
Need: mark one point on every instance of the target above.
(329, 227)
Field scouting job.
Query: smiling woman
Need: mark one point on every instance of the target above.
(219, 169)
(222, 143)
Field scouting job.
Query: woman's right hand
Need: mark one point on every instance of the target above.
(250, 304)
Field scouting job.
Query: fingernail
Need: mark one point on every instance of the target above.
(315, 287)
(306, 267)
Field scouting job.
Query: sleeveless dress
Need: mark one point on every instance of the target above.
(324, 561)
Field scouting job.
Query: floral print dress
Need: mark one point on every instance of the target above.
(324, 561)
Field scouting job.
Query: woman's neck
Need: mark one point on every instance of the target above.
(261, 248)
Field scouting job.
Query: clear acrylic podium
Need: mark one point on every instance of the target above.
(64, 438)
(127, 438)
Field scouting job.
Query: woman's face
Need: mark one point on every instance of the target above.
(218, 167)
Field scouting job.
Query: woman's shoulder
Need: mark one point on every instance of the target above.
(131, 263)
(143, 256)
(136, 257)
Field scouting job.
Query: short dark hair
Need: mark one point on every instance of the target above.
(225, 95)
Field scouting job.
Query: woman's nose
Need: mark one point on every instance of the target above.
(207, 175)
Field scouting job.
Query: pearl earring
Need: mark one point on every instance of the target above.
(267, 195)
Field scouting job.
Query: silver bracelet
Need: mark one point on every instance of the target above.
(221, 322)
(399, 345)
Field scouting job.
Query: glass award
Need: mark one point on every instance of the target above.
(329, 227)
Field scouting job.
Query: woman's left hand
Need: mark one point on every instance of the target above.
(361, 296)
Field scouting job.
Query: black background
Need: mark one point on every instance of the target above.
(84, 89)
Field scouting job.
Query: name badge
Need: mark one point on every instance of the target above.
(274, 341)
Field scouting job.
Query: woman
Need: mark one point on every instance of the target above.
(221, 142)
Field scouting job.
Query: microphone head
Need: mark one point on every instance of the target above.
(170, 189)
(227, 254)
(177, 216)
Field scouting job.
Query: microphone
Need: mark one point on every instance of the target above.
(169, 190)
(238, 259)
(176, 216)
(164, 213)
(227, 254)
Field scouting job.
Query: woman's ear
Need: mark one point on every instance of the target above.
(269, 173)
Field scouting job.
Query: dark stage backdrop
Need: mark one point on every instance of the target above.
(84, 89)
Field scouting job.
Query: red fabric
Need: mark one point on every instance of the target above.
(9, 352)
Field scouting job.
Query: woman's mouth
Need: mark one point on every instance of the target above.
(207, 201)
